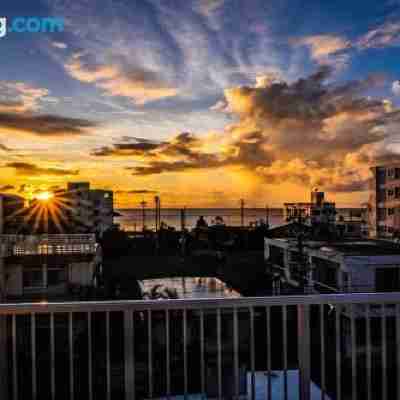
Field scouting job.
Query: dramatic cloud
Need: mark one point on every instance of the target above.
(385, 35)
(28, 169)
(3, 147)
(326, 49)
(132, 147)
(208, 7)
(137, 83)
(137, 191)
(44, 125)
(307, 132)
(396, 88)
(6, 188)
(59, 45)
(24, 97)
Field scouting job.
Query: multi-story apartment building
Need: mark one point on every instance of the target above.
(90, 210)
(384, 202)
(46, 266)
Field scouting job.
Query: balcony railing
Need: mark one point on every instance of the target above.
(295, 347)
(20, 245)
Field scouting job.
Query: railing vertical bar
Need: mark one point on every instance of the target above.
(89, 354)
(353, 354)
(129, 355)
(14, 356)
(285, 353)
(236, 352)
(4, 375)
(322, 339)
(269, 362)
(185, 366)
(33, 351)
(219, 355)
(71, 355)
(202, 361)
(398, 348)
(252, 355)
(150, 355)
(108, 362)
(338, 353)
(52, 358)
(384, 353)
(168, 356)
(369, 359)
(304, 351)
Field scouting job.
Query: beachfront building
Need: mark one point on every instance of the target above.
(331, 267)
(36, 267)
(384, 202)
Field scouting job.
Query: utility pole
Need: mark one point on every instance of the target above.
(267, 216)
(143, 204)
(242, 212)
(183, 219)
(157, 212)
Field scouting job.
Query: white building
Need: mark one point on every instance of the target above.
(346, 266)
(46, 266)
(90, 210)
(384, 202)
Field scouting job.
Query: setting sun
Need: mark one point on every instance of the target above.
(44, 196)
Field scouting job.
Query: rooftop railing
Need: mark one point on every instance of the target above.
(294, 347)
(20, 245)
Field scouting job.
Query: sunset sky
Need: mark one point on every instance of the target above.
(202, 102)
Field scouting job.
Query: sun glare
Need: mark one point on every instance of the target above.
(44, 196)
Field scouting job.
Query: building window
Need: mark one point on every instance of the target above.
(397, 173)
(391, 173)
(33, 278)
(56, 276)
(381, 229)
(390, 193)
(391, 211)
(397, 192)
(387, 279)
(381, 214)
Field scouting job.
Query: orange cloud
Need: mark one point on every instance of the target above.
(137, 83)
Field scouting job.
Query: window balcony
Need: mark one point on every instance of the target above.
(293, 347)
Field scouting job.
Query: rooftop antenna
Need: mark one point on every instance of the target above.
(157, 212)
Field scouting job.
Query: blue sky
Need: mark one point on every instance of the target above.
(124, 70)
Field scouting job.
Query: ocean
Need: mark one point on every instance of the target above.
(131, 219)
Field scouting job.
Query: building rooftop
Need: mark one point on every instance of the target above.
(351, 248)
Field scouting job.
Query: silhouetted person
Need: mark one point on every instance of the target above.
(201, 223)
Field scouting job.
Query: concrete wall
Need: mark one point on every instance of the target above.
(81, 273)
(362, 270)
(14, 282)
